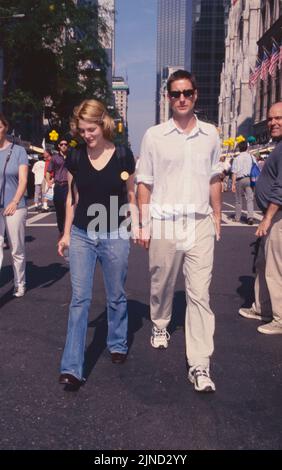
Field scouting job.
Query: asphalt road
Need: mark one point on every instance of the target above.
(147, 403)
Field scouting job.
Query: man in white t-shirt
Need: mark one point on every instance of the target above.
(38, 171)
(241, 183)
(179, 198)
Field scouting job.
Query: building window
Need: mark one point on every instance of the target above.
(261, 100)
(241, 28)
(276, 85)
(269, 92)
(263, 20)
(271, 12)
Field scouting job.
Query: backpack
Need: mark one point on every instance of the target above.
(254, 174)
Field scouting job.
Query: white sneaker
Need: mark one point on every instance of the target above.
(159, 338)
(272, 328)
(19, 291)
(251, 313)
(200, 377)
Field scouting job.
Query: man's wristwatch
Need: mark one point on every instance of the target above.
(143, 224)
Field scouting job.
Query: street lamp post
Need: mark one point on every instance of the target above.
(16, 15)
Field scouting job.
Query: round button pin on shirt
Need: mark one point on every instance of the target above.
(124, 175)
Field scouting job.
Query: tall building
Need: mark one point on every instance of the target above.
(208, 34)
(164, 107)
(121, 92)
(247, 88)
(269, 87)
(236, 99)
(174, 22)
(107, 13)
(191, 36)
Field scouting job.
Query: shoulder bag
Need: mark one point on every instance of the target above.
(2, 190)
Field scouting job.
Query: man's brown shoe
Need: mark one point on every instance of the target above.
(118, 358)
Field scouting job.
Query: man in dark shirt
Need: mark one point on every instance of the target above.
(268, 285)
(57, 166)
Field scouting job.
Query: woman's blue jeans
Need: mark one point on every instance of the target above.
(83, 255)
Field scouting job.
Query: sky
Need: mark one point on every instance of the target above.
(135, 49)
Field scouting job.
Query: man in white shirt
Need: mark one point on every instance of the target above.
(241, 183)
(38, 171)
(179, 198)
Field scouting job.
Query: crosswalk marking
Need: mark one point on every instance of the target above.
(231, 223)
(229, 205)
(37, 217)
(41, 225)
(226, 221)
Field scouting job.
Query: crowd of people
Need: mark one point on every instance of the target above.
(176, 215)
(238, 176)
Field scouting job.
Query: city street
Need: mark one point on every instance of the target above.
(147, 403)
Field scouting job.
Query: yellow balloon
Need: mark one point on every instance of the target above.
(53, 135)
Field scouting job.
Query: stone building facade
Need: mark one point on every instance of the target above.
(236, 99)
(270, 90)
(252, 27)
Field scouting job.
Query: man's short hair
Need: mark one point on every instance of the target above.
(181, 75)
(242, 146)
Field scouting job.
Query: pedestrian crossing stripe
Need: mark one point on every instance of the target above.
(35, 219)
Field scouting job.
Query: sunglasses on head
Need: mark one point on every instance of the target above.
(186, 93)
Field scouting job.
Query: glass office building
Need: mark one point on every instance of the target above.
(174, 21)
(208, 50)
(191, 36)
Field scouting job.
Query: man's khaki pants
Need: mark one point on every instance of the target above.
(268, 283)
(165, 258)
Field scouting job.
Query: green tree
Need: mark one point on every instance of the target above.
(54, 51)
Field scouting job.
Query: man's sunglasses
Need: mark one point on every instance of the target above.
(63, 143)
(186, 93)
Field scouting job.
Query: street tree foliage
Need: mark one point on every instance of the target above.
(54, 52)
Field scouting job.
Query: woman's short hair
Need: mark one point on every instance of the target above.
(95, 111)
(4, 120)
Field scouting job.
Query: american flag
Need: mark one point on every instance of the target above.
(274, 58)
(255, 74)
(280, 55)
(265, 65)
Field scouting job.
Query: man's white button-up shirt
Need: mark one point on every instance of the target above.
(179, 168)
(242, 164)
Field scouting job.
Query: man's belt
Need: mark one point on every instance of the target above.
(61, 183)
(241, 177)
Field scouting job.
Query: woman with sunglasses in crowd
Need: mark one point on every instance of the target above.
(96, 178)
(13, 210)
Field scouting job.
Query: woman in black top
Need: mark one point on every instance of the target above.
(101, 181)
